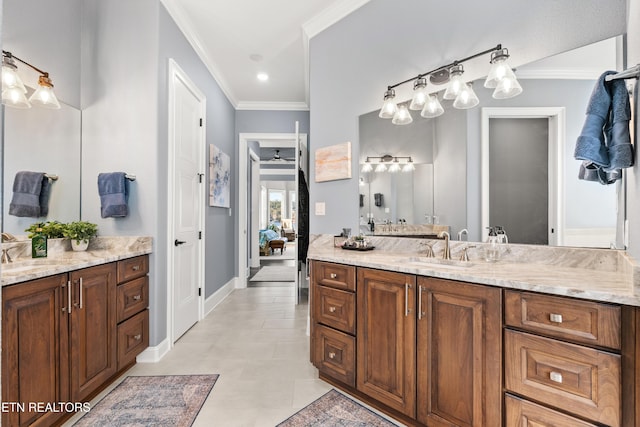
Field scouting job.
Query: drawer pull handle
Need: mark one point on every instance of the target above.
(332, 355)
(137, 297)
(332, 309)
(407, 310)
(555, 318)
(135, 268)
(556, 377)
(333, 275)
(137, 337)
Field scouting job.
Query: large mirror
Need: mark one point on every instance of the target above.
(39, 139)
(472, 152)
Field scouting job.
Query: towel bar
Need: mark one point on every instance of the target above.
(130, 177)
(629, 73)
(52, 177)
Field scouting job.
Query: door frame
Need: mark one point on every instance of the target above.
(243, 156)
(176, 72)
(556, 156)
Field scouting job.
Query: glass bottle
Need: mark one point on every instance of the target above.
(492, 248)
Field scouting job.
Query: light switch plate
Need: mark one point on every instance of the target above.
(320, 208)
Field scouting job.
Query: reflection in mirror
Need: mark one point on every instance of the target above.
(43, 140)
(579, 213)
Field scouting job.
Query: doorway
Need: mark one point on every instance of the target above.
(523, 145)
(185, 255)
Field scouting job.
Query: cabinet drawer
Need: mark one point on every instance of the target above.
(133, 337)
(522, 413)
(132, 297)
(335, 275)
(335, 354)
(571, 377)
(581, 321)
(133, 267)
(335, 308)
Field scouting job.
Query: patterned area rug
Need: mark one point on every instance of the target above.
(172, 400)
(335, 409)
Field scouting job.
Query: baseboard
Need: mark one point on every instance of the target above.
(154, 354)
(218, 296)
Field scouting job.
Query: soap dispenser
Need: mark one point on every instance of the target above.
(492, 248)
(39, 244)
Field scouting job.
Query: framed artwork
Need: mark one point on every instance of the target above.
(219, 178)
(333, 162)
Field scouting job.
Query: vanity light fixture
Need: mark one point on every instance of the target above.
(501, 77)
(14, 91)
(397, 163)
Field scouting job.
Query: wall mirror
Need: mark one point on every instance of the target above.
(39, 139)
(462, 151)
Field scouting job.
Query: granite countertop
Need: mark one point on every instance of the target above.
(62, 259)
(595, 274)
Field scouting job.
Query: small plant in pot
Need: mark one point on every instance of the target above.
(51, 229)
(79, 232)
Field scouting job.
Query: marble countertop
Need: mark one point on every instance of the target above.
(594, 274)
(62, 259)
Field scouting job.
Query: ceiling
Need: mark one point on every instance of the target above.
(239, 39)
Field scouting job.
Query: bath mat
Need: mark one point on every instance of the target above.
(335, 409)
(171, 400)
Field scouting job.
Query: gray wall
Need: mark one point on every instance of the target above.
(220, 238)
(387, 36)
(252, 121)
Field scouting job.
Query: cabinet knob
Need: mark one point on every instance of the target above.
(136, 268)
(137, 337)
(555, 318)
(556, 377)
(332, 309)
(332, 355)
(333, 275)
(136, 297)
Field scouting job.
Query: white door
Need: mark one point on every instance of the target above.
(188, 202)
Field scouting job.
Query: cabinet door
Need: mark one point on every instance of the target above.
(386, 326)
(459, 354)
(93, 329)
(35, 365)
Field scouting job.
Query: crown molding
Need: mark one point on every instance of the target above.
(585, 74)
(186, 27)
(276, 106)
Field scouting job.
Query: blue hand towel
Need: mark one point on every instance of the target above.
(45, 192)
(617, 135)
(114, 194)
(27, 189)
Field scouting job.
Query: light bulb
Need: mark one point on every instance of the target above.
(432, 108)
(467, 98)
(395, 166)
(456, 84)
(402, 116)
(389, 108)
(499, 68)
(419, 94)
(507, 88)
(44, 96)
(408, 167)
(381, 167)
(366, 167)
(15, 97)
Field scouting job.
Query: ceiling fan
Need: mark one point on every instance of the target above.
(277, 158)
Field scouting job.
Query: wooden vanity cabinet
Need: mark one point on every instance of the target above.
(93, 329)
(35, 357)
(459, 343)
(386, 338)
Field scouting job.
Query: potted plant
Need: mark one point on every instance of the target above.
(51, 229)
(80, 232)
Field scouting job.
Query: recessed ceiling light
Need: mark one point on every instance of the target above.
(263, 77)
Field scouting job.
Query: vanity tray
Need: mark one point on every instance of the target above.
(354, 248)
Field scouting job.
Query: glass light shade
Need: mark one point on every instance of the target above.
(499, 70)
(366, 167)
(395, 166)
(507, 88)
(15, 97)
(432, 108)
(381, 167)
(43, 95)
(389, 107)
(455, 84)
(10, 77)
(408, 167)
(467, 98)
(402, 116)
(419, 94)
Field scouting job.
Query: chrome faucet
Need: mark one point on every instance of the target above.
(7, 237)
(461, 232)
(446, 254)
(428, 250)
(5, 256)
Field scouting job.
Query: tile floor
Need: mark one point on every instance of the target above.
(256, 340)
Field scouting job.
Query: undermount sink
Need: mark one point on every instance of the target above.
(446, 263)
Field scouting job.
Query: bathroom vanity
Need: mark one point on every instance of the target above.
(545, 336)
(71, 324)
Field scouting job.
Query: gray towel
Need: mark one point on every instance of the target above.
(113, 188)
(28, 194)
